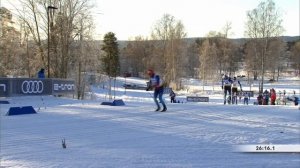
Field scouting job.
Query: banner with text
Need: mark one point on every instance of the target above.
(34, 86)
(197, 99)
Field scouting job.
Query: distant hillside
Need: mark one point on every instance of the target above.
(291, 38)
(241, 41)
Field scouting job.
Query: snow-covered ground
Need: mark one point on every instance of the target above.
(187, 135)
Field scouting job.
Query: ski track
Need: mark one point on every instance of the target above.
(104, 136)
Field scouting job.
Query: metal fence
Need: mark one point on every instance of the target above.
(34, 86)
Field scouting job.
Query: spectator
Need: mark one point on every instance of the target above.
(296, 101)
(260, 99)
(172, 95)
(41, 73)
(266, 97)
(273, 96)
(284, 98)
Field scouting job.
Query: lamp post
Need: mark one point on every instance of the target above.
(48, 56)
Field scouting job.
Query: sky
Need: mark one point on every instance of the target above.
(131, 18)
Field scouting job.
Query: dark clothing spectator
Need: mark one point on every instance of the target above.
(266, 97)
(260, 99)
(173, 95)
(296, 101)
(41, 73)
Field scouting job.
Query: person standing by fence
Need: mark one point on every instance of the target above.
(41, 73)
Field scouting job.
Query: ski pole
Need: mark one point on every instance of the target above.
(150, 94)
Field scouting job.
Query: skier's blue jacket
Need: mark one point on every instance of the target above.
(226, 82)
(156, 82)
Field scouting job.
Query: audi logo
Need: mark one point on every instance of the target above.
(29, 87)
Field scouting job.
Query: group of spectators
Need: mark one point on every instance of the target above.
(266, 97)
(269, 97)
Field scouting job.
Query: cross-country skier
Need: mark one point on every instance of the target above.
(156, 83)
(226, 86)
(234, 88)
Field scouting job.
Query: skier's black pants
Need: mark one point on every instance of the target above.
(173, 100)
(227, 89)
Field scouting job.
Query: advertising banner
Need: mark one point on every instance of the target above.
(242, 93)
(197, 99)
(4, 88)
(35, 86)
(30, 86)
(60, 86)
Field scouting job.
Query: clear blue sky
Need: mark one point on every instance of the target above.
(130, 18)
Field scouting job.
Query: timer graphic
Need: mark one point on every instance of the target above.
(264, 148)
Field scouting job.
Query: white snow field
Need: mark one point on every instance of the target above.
(188, 135)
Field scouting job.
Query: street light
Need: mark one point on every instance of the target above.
(48, 56)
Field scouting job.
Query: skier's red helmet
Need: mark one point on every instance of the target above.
(150, 72)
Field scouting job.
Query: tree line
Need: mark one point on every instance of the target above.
(211, 57)
(263, 53)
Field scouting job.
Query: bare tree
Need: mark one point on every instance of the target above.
(11, 46)
(61, 26)
(228, 52)
(207, 58)
(193, 59)
(251, 58)
(31, 15)
(263, 23)
(276, 57)
(72, 20)
(295, 59)
(137, 56)
(169, 32)
(85, 56)
(227, 29)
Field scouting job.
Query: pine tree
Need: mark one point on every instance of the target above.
(110, 60)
